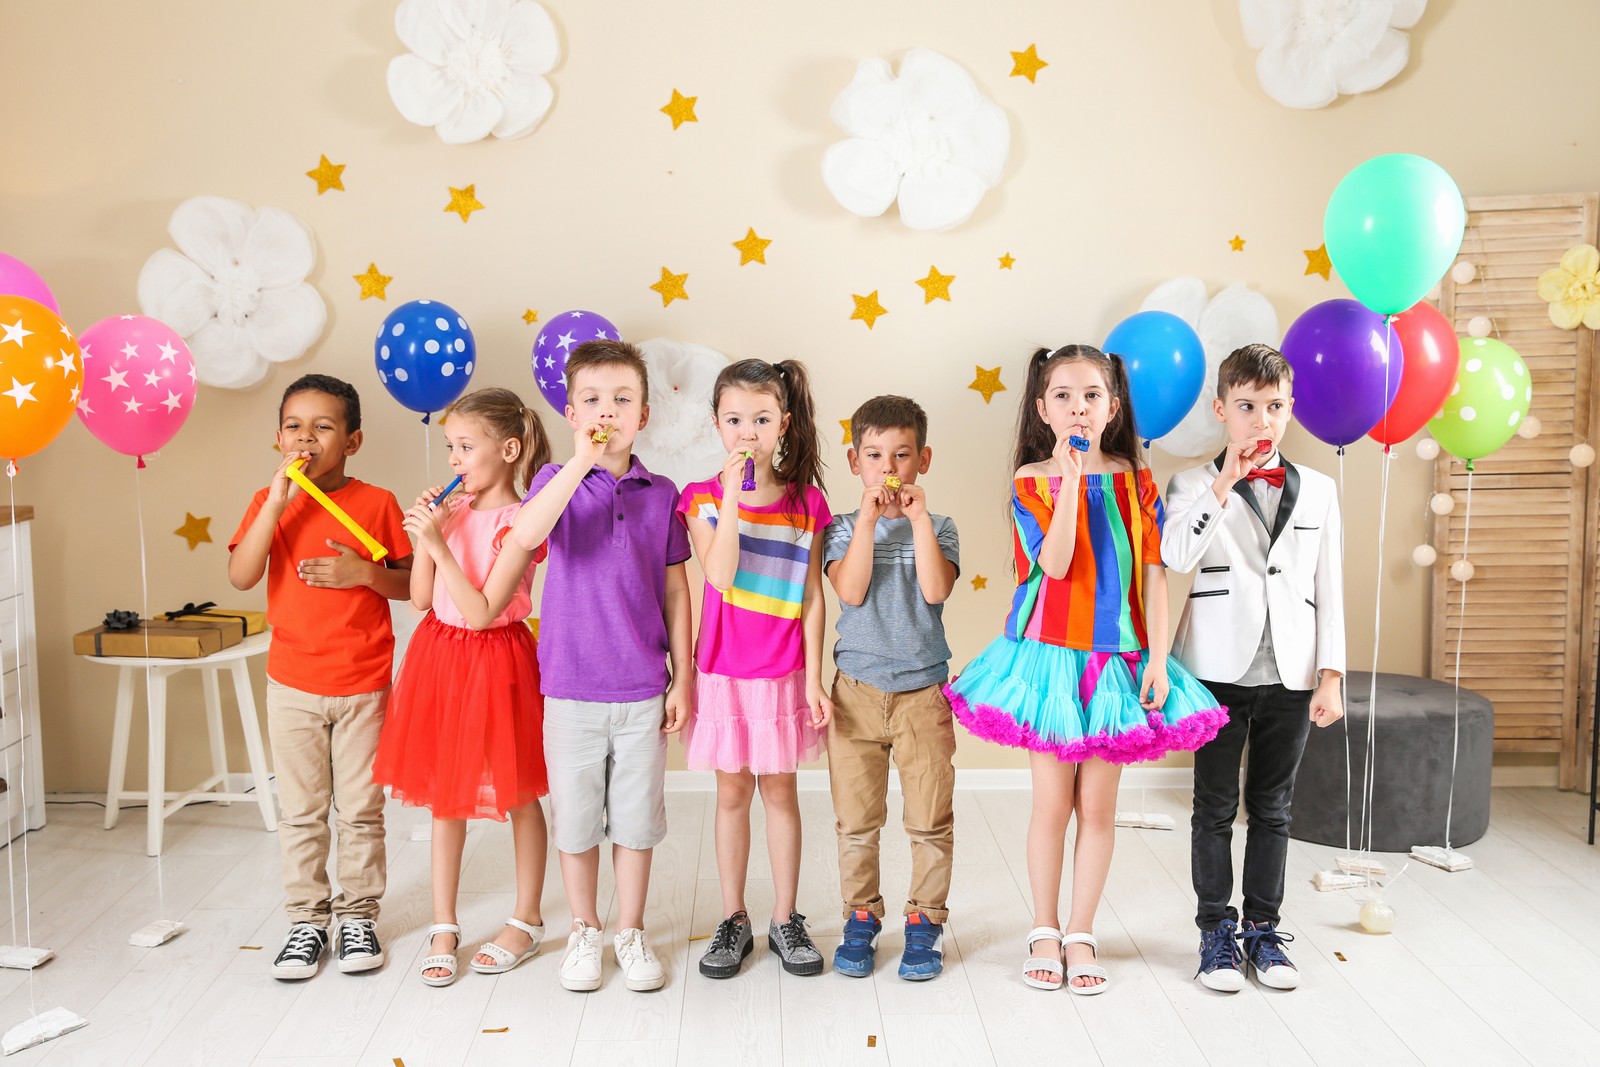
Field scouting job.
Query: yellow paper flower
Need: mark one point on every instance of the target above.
(1573, 289)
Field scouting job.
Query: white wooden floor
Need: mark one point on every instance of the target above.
(1498, 965)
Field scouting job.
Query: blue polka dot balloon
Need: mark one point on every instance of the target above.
(425, 355)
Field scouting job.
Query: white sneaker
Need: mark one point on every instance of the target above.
(640, 968)
(580, 967)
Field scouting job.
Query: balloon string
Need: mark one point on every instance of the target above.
(1370, 783)
(1461, 629)
(22, 755)
(1345, 719)
(156, 803)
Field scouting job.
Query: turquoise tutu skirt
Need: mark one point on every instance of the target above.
(1078, 705)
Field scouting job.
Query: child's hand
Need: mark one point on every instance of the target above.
(678, 708)
(429, 495)
(1327, 707)
(347, 570)
(282, 489)
(1153, 687)
(733, 474)
(914, 502)
(873, 501)
(584, 447)
(422, 524)
(821, 706)
(1069, 461)
(1240, 458)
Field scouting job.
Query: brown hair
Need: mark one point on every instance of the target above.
(503, 414)
(1036, 441)
(890, 413)
(617, 353)
(800, 445)
(1254, 364)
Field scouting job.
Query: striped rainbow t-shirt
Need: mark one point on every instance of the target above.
(756, 630)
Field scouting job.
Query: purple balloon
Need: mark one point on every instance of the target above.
(1347, 367)
(556, 340)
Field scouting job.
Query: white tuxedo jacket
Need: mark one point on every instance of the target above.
(1248, 575)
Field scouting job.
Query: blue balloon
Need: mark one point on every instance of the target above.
(425, 355)
(1166, 367)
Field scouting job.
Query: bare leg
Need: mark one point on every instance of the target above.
(781, 801)
(734, 792)
(632, 868)
(528, 845)
(580, 875)
(449, 837)
(1047, 833)
(1091, 856)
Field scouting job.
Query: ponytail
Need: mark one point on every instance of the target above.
(503, 414)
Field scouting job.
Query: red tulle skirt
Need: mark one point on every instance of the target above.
(464, 732)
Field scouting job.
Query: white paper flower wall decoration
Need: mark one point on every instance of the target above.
(680, 441)
(1311, 51)
(237, 291)
(928, 138)
(1234, 317)
(475, 67)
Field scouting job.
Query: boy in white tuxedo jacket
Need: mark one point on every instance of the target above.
(1263, 628)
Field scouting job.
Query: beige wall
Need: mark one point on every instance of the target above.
(1144, 146)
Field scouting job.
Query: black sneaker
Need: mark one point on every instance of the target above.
(358, 945)
(729, 946)
(793, 946)
(302, 952)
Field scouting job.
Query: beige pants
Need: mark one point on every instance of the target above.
(915, 727)
(322, 749)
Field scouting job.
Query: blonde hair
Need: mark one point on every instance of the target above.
(506, 417)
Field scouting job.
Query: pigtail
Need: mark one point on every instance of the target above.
(802, 445)
(1035, 441)
(1121, 440)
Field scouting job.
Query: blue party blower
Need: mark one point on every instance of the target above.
(447, 491)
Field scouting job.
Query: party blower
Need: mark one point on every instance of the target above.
(297, 475)
(436, 501)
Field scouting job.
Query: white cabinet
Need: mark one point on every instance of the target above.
(21, 763)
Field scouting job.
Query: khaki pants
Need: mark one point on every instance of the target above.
(916, 728)
(322, 750)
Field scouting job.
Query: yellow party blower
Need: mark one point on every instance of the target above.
(297, 476)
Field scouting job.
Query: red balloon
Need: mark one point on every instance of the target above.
(1431, 356)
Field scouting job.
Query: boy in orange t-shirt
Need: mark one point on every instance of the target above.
(328, 670)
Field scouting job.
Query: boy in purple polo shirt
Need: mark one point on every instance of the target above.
(616, 607)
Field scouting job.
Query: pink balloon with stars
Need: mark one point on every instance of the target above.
(138, 383)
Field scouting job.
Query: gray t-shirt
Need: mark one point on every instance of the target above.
(895, 639)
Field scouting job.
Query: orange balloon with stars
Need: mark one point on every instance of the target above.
(41, 376)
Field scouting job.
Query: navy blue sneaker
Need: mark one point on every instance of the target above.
(1263, 947)
(1221, 963)
(855, 953)
(922, 958)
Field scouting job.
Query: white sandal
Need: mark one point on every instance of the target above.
(1085, 970)
(1042, 963)
(504, 960)
(445, 961)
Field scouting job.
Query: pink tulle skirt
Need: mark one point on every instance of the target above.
(758, 724)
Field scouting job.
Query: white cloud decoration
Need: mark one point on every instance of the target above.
(475, 67)
(237, 291)
(1235, 317)
(928, 138)
(1311, 51)
(681, 441)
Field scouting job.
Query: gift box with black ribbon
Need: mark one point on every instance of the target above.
(190, 632)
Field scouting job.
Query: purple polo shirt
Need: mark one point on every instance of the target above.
(602, 628)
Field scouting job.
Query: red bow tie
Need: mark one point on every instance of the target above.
(1273, 476)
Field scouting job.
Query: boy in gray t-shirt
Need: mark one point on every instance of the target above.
(893, 564)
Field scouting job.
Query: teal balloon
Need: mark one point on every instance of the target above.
(1489, 401)
(1393, 227)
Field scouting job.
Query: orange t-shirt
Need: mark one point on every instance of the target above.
(332, 642)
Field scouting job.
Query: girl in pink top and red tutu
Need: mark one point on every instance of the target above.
(463, 735)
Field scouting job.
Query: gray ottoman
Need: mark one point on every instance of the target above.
(1411, 785)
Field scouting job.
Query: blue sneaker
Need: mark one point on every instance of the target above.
(1221, 963)
(1263, 946)
(922, 958)
(855, 953)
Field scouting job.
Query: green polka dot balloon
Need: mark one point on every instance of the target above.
(1488, 402)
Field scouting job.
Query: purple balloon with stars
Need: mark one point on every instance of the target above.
(556, 341)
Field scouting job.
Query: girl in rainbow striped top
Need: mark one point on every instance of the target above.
(759, 702)
(1081, 677)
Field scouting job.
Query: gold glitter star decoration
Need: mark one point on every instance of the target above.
(1236, 243)
(530, 316)
(1027, 64)
(372, 283)
(327, 176)
(196, 531)
(935, 286)
(987, 382)
(463, 201)
(1317, 261)
(845, 423)
(979, 582)
(671, 286)
(680, 109)
(1006, 261)
(752, 249)
(867, 308)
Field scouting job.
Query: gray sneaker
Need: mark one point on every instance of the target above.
(793, 946)
(729, 946)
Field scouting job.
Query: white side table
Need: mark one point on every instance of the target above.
(160, 802)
